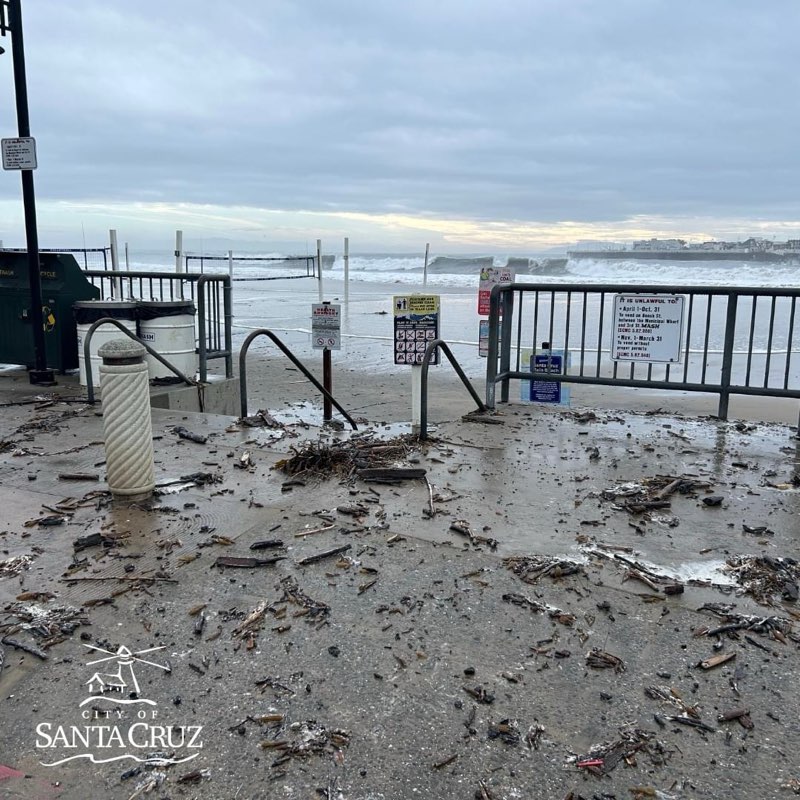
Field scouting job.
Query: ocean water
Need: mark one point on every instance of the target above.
(462, 271)
(275, 294)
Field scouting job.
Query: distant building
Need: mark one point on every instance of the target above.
(659, 244)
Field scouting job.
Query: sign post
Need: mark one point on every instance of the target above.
(40, 374)
(326, 335)
(416, 324)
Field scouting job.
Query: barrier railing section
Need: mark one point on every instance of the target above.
(96, 256)
(305, 266)
(211, 294)
(735, 340)
(291, 356)
(433, 346)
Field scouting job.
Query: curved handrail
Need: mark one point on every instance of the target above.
(87, 362)
(288, 353)
(440, 344)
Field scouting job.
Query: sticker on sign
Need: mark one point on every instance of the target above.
(19, 153)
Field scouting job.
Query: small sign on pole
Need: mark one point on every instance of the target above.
(19, 152)
(647, 327)
(326, 333)
(488, 278)
(416, 323)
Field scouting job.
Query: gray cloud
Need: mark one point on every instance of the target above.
(512, 109)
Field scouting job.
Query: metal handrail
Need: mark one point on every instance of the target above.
(87, 362)
(502, 339)
(175, 282)
(288, 353)
(440, 344)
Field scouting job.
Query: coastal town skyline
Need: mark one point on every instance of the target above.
(513, 127)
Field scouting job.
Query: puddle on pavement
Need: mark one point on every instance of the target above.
(311, 414)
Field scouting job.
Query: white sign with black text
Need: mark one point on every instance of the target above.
(648, 328)
(326, 321)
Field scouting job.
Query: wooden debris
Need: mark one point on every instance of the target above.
(717, 660)
(78, 476)
(335, 551)
(311, 532)
(247, 563)
(599, 659)
(182, 433)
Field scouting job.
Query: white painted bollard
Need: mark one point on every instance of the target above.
(127, 426)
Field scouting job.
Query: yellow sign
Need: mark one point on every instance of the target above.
(49, 319)
(416, 304)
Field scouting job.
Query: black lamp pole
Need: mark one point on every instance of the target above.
(40, 374)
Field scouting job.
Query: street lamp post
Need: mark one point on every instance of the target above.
(40, 374)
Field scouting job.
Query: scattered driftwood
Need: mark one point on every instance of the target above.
(603, 758)
(313, 610)
(78, 476)
(599, 659)
(717, 660)
(391, 474)
(765, 577)
(344, 458)
(335, 551)
(183, 433)
(462, 528)
(652, 494)
(247, 563)
(531, 568)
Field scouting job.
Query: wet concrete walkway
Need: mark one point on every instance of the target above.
(422, 659)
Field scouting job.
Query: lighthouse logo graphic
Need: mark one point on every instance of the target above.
(119, 685)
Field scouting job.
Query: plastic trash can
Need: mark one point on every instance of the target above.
(168, 327)
(88, 312)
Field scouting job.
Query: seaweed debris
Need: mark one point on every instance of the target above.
(343, 458)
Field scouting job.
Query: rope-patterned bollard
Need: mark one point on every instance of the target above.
(127, 427)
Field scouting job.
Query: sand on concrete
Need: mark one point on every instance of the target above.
(397, 675)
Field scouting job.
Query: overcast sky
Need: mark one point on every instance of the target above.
(477, 125)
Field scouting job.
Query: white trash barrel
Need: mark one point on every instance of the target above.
(168, 327)
(89, 311)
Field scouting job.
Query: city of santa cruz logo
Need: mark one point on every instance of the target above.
(119, 685)
(116, 721)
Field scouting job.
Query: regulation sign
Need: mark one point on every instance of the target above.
(488, 278)
(546, 391)
(19, 153)
(647, 327)
(326, 332)
(416, 322)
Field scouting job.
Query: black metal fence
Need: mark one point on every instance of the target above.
(94, 257)
(255, 268)
(211, 295)
(720, 340)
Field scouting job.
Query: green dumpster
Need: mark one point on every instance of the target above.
(62, 284)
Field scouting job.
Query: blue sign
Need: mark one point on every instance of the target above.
(546, 391)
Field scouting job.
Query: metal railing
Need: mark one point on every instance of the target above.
(210, 293)
(306, 265)
(732, 341)
(87, 362)
(85, 251)
(291, 356)
(430, 350)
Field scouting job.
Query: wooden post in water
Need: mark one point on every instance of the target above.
(425, 266)
(112, 235)
(319, 268)
(346, 270)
